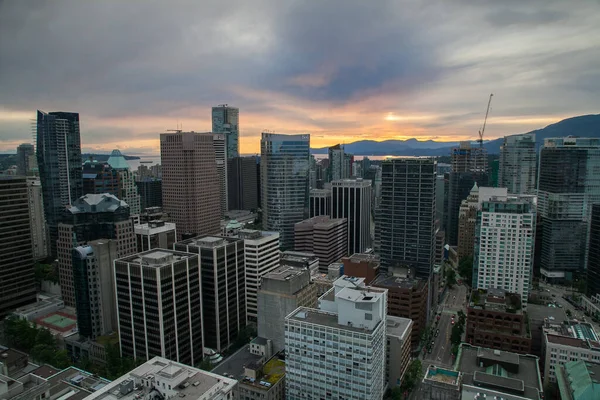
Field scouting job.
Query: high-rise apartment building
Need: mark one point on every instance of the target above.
(261, 256)
(159, 306)
(338, 164)
(518, 164)
(150, 190)
(351, 199)
(593, 265)
(25, 154)
(58, 147)
(406, 219)
(339, 350)
(568, 184)
(94, 287)
(284, 183)
(282, 291)
(319, 202)
(504, 246)
(324, 237)
(190, 182)
(221, 162)
(91, 217)
(127, 188)
(468, 166)
(225, 120)
(223, 287)
(242, 183)
(17, 283)
(155, 234)
(39, 230)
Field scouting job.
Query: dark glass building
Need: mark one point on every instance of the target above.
(24, 152)
(150, 190)
(351, 199)
(59, 163)
(593, 267)
(100, 177)
(406, 216)
(242, 183)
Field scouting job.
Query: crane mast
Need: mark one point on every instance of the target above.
(481, 132)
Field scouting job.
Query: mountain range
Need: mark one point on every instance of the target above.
(582, 126)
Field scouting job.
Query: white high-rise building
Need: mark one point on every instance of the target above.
(261, 253)
(504, 245)
(221, 159)
(518, 164)
(338, 351)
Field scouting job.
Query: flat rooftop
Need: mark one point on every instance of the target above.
(186, 382)
(317, 317)
(39, 305)
(442, 375)
(499, 370)
(59, 321)
(74, 384)
(157, 257)
(359, 257)
(234, 364)
(496, 300)
(284, 273)
(208, 241)
(147, 229)
(298, 256)
(398, 326)
(398, 282)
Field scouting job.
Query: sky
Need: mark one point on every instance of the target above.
(341, 70)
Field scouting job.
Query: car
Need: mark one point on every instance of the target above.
(430, 350)
(438, 317)
(437, 332)
(452, 322)
(432, 343)
(553, 295)
(453, 316)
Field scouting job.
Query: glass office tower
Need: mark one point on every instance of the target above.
(225, 120)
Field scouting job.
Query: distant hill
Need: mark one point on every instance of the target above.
(583, 126)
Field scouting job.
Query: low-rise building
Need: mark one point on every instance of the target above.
(407, 298)
(161, 378)
(489, 374)
(567, 342)
(495, 320)
(155, 234)
(441, 383)
(361, 265)
(12, 361)
(300, 259)
(398, 333)
(42, 307)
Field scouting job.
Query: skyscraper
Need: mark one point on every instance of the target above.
(91, 217)
(242, 183)
(24, 153)
(94, 287)
(59, 162)
(150, 190)
(324, 237)
(158, 312)
(221, 162)
(518, 164)
(504, 246)
(222, 285)
(339, 350)
(127, 188)
(338, 164)
(469, 166)
(319, 202)
(100, 177)
(593, 267)
(284, 183)
(261, 256)
(225, 120)
(568, 184)
(39, 230)
(17, 284)
(406, 217)
(351, 199)
(190, 182)
(467, 220)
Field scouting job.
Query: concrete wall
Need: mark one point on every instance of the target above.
(272, 310)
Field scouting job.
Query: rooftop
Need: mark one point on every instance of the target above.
(234, 365)
(390, 281)
(117, 161)
(185, 382)
(97, 203)
(320, 221)
(578, 380)
(157, 258)
(208, 241)
(398, 326)
(496, 300)
(501, 371)
(154, 227)
(318, 317)
(298, 257)
(360, 257)
(40, 305)
(284, 273)
(74, 384)
(442, 375)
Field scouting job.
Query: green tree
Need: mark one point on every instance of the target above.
(413, 374)
(465, 269)
(450, 277)
(43, 353)
(113, 361)
(61, 359)
(205, 365)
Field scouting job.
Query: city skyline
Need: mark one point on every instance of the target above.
(399, 70)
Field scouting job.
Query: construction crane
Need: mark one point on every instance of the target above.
(481, 132)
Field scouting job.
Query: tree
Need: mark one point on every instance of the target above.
(413, 375)
(456, 336)
(450, 277)
(465, 269)
(61, 359)
(205, 365)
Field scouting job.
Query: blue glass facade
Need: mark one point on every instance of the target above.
(225, 120)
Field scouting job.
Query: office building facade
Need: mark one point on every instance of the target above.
(504, 246)
(338, 350)
(17, 286)
(593, 265)
(243, 183)
(518, 164)
(568, 184)
(324, 237)
(155, 234)
(339, 167)
(190, 183)
(94, 288)
(406, 219)
(25, 156)
(351, 199)
(284, 183)
(127, 188)
(319, 202)
(225, 120)
(159, 313)
(150, 190)
(39, 230)
(58, 151)
(221, 162)
(100, 177)
(91, 217)
(261, 256)
(221, 262)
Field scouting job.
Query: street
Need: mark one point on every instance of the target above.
(453, 302)
(558, 292)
